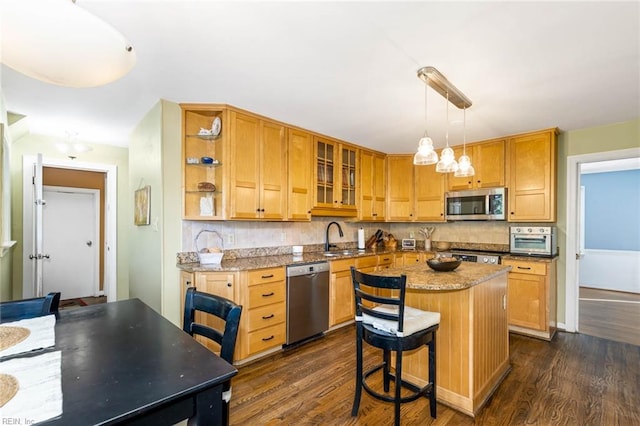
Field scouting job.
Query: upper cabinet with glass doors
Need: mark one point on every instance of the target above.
(335, 178)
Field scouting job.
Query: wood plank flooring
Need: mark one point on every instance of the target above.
(574, 380)
(611, 315)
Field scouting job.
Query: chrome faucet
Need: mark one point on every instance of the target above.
(327, 246)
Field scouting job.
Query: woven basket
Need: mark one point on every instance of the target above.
(210, 258)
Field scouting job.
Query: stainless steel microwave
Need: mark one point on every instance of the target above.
(533, 240)
(477, 204)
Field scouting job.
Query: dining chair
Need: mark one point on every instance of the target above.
(227, 311)
(29, 308)
(383, 321)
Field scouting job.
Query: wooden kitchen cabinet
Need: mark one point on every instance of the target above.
(532, 177)
(263, 320)
(429, 188)
(488, 161)
(372, 205)
(257, 169)
(341, 297)
(335, 178)
(218, 283)
(532, 297)
(400, 188)
(203, 184)
(300, 179)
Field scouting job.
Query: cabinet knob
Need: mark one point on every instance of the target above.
(188, 283)
(511, 212)
(228, 284)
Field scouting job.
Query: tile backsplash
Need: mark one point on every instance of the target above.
(245, 235)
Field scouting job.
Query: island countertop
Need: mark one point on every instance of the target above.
(421, 277)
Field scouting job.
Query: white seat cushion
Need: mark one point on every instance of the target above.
(414, 320)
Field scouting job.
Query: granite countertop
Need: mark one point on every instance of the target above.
(260, 262)
(421, 277)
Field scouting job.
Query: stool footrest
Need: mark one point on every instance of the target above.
(417, 391)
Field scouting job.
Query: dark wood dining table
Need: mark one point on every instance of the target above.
(123, 363)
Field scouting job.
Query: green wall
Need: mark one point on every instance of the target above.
(612, 137)
(26, 144)
(155, 160)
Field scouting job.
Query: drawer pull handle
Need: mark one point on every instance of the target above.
(265, 339)
(524, 267)
(268, 316)
(267, 276)
(268, 294)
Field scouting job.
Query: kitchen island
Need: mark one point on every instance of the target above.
(472, 343)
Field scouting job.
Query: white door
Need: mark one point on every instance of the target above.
(70, 222)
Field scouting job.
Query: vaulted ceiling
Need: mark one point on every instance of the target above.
(348, 69)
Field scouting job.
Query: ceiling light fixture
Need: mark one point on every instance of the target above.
(426, 154)
(58, 42)
(438, 82)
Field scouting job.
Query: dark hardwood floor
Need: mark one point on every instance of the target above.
(574, 380)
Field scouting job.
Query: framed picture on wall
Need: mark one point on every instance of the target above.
(141, 203)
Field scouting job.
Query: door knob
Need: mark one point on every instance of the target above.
(89, 243)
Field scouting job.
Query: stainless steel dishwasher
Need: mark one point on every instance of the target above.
(307, 301)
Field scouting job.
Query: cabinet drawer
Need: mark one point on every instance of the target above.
(266, 294)
(534, 268)
(266, 316)
(260, 276)
(385, 259)
(341, 265)
(266, 338)
(367, 262)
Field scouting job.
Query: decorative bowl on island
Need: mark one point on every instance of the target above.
(444, 264)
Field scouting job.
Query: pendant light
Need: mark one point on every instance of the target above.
(447, 163)
(464, 162)
(426, 155)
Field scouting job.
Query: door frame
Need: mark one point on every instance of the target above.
(95, 195)
(572, 243)
(110, 226)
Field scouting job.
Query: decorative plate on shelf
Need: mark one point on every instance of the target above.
(216, 126)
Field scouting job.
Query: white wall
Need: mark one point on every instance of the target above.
(611, 270)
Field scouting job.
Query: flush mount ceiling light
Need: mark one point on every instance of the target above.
(58, 42)
(438, 82)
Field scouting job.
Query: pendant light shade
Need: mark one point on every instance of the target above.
(59, 42)
(426, 155)
(465, 168)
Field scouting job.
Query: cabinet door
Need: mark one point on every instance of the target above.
(400, 187)
(273, 171)
(300, 185)
(324, 177)
(366, 207)
(379, 187)
(527, 301)
(429, 194)
(489, 164)
(532, 177)
(186, 281)
(347, 178)
(244, 167)
(341, 301)
(487, 159)
(220, 284)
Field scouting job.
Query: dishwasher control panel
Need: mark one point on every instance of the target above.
(307, 268)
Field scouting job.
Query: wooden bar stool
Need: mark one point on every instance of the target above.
(386, 323)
